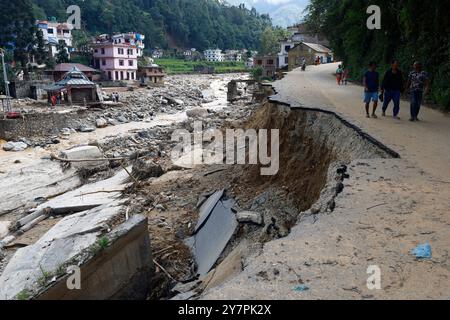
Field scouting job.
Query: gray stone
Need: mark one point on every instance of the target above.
(101, 123)
(249, 217)
(15, 146)
(197, 112)
(85, 128)
(85, 152)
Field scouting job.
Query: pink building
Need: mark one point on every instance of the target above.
(118, 61)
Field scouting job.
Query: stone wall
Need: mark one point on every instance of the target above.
(40, 124)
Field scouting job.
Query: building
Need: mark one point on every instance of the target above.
(249, 63)
(232, 55)
(60, 71)
(157, 53)
(310, 52)
(213, 55)
(54, 32)
(151, 75)
(267, 63)
(283, 55)
(117, 60)
(131, 38)
(74, 87)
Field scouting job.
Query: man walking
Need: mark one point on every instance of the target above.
(371, 82)
(417, 80)
(391, 88)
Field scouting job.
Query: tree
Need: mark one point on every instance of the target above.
(40, 52)
(17, 30)
(62, 56)
(270, 40)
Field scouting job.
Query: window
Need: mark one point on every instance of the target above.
(270, 61)
(103, 62)
(121, 63)
(103, 50)
(117, 75)
(130, 63)
(286, 60)
(259, 62)
(130, 51)
(96, 50)
(120, 50)
(121, 75)
(109, 75)
(50, 31)
(66, 31)
(132, 75)
(287, 48)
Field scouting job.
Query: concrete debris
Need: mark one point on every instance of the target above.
(213, 231)
(85, 152)
(4, 228)
(250, 217)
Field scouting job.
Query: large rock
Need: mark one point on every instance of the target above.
(197, 113)
(4, 228)
(249, 217)
(15, 146)
(101, 123)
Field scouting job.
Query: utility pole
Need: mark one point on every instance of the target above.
(6, 108)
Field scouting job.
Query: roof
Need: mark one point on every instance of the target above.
(73, 78)
(316, 47)
(66, 67)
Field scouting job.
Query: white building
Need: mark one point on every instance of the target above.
(213, 55)
(54, 32)
(283, 55)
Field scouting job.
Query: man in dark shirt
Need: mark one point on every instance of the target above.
(371, 82)
(417, 81)
(391, 88)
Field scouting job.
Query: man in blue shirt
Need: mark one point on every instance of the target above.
(371, 82)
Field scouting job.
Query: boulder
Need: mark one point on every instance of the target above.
(101, 123)
(15, 146)
(249, 217)
(197, 113)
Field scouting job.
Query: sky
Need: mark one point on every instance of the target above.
(283, 12)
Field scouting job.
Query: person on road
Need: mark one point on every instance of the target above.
(371, 82)
(391, 88)
(345, 76)
(339, 73)
(417, 81)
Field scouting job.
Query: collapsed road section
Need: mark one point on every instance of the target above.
(204, 222)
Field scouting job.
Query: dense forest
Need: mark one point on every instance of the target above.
(410, 30)
(175, 23)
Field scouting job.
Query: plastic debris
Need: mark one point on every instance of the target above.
(301, 288)
(422, 251)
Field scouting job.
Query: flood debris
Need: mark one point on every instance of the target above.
(250, 217)
(214, 229)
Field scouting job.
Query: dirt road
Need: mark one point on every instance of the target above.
(424, 143)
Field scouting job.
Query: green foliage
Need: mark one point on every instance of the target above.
(175, 23)
(411, 30)
(270, 40)
(256, 73)
(177, 66)
(62, 56)
(23, 295)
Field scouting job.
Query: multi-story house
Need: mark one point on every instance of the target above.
(213, 55)
(283, 55)
(131, 38)
(117, 60)
(54, 32)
